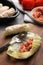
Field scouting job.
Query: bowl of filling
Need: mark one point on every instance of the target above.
(8, 11)
(37, 15)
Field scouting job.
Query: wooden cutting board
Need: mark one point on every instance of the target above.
(36, 59)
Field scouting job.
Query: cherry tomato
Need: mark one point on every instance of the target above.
(28, 4)
(38, 2)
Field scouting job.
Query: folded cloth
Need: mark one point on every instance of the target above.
(26, 18)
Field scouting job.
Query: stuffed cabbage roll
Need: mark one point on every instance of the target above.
(26, 48)
(14, 29)
(7, 13)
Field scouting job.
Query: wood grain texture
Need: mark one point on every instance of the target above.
(36, 59)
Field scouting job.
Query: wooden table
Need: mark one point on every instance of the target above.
(36, 59)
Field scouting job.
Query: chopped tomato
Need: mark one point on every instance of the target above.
(37, 14)
(30, 41)
(22, 46)
(41, 18)
(29, 47)
(21, 50)
(26, 46)
(28, 4)
(24, 50)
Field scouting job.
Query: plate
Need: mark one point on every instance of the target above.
(11, 18)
